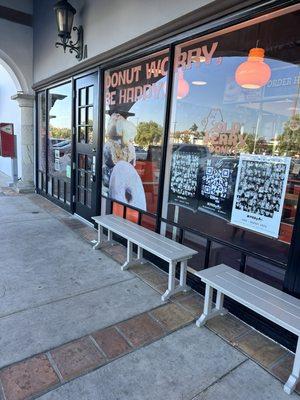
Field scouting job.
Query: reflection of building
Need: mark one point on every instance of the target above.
(208, 113)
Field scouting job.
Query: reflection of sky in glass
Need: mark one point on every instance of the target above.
(272, 106)
(150, 109)
(234, 104)
(62, 107)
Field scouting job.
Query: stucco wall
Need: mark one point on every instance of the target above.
(16, 50)
(16, 71)
(106, 23)
(9, 112)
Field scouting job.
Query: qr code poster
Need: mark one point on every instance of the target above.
(186, 163)
(217, 186)
(259, 193)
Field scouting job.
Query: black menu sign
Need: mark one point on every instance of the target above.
(201, 181)
(186, 164)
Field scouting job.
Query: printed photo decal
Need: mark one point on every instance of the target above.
(120, 179)
(259, 193)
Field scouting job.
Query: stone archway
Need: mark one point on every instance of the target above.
(15, 73)
(25, 100)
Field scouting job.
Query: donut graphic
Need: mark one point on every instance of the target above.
(126, 186)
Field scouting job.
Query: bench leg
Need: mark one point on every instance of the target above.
(109, 238)
(171, 282)
(182, 282)
(219, 303)
(140, 256)
(182, 287)
(207, 306)
(295, 375)
(209, 312)
(100, 238)
(129, 259)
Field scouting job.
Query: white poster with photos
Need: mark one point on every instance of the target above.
(259, 193)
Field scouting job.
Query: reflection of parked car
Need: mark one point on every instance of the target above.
(154, 153)
(61, 154)
(202, 151)
(140, 153)
(61, 148)
(64, 147)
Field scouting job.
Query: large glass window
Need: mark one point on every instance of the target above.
(233, 164)
(60, 142)
(135, 100)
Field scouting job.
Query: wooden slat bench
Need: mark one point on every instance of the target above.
(271, 303)
(160, 246)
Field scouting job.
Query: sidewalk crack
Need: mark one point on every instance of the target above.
(218, 380)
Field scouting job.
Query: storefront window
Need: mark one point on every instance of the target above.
(233, 164)
(135, 100)
(60, 142)
(41, 141)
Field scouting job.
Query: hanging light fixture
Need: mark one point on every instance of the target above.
(198, 59)
(64, 13)
(183, 87)
(253, 73)
(199, 83)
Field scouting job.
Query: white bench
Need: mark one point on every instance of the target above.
(160, 246)
(265, 300)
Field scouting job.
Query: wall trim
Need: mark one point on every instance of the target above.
(195, 19)
(19, 17)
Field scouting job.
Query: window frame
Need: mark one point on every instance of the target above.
(45, 193)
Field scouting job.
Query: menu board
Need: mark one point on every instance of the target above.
(259, 193)
(217, 186)
(185, 166)
(201, 181)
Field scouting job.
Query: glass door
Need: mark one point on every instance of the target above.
(86, 125)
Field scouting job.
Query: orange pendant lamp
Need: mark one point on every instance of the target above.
(183, 87)
(253, 73)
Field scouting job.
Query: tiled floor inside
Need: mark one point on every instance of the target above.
(74, 326)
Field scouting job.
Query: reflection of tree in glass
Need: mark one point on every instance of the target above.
(148, 133)
(60, 133)
(260, 147)
(194, 128)
(196, 135)
(182, 136)
(188, 136)
(289, 140)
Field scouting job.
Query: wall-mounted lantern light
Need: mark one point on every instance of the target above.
(64, 13)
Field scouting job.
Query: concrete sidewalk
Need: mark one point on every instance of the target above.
(189, 364)
(74, 325)
(53, 287)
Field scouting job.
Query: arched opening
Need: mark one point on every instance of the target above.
(12, 83)
(14, 72)
(9, 113)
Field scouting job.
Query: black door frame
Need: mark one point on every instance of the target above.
(77, 208)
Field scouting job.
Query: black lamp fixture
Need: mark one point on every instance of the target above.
(64, 13)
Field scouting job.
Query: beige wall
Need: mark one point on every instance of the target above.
(106, 23)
